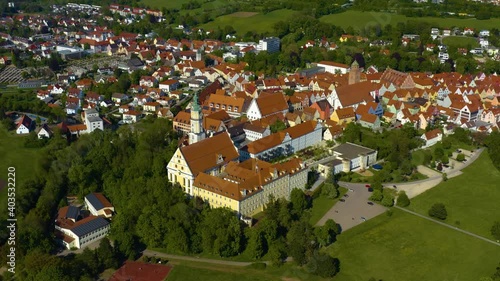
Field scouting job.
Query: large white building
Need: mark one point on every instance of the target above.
(269, 44)
(93, 121)
(78, 233)
(285, 142)
(333, 67)
(355, 156)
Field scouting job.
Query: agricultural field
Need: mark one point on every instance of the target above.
(471, 199)
(359, 20)
(244, 22)
(406, 247)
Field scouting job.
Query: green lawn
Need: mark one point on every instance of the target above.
(406, 247)
(259, 23)
(322, 204)
(460, 42)
(189, 271)
(359, 20)
(472, 198)
(169, 4)
(14, 154)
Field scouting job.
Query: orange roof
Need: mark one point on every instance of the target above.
(203, 155)
(271, 103)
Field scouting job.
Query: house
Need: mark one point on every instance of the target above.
(92, 120)
(151, 106)
(140, 271)
(98, 205)
(324, 109)
(118, 98)
(266, 105)
(355, 156)
(44, 132)
(182, 122)
(430, 138)
(164, 113)
(73, 232)
(25, 125)
(234, 106)
(343, 115)
(169, 85)
(131, 116)
(209, 156)
(254, 132)
(370, 121)
(353, 95)
(147, 81)
(332, 132)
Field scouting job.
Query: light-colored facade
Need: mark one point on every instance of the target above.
(269, 44)
(93, 121)
(246, 187)
(355, 156)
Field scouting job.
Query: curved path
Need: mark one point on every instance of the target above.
(152, 253)
(449, 226)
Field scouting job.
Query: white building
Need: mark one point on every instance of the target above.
(131, 116)
(93, 121)
(333, 67)
(269, 44)
(355, 156)
(75, 233)
(44, 132)
(98, 205)
(254, 133)
(432, 137)
(285, 142)
(24, 125)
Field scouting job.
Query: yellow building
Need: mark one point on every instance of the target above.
(246, 187)
(209, 156)
(343, 115)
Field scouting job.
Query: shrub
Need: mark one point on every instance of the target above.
(495, 230)
(403, 200)
(438, 211)
(461, 157)
(258, 265)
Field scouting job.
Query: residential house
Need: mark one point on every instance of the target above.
(131, 116)
(432, 137)
(343, 115)
(324, 109)
(44, 132)
(25, 125)
(266, 105)
(169, 85)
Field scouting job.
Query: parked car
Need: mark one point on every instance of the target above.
(363, 218)
(346, 196)
(370, 189)
(394, 186)
(368, 186)
(370, 203)
(342, 200)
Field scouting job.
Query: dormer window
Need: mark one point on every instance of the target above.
(217, 106)
(229, 107)
(211, 104)
(223, 107)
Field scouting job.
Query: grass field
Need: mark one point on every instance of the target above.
(472, 199)
(259, 23)
(359, 20)
(169, 4)
(14, 154)
(189, 271)
(406, 247)
(322, 204)
(460, 42)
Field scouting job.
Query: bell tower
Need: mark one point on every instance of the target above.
(197, 133)
(354, 73)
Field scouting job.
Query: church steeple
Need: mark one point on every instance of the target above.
(354, 73)
(197, 133)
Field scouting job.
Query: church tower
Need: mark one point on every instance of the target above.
(354, 73)
(197, 133)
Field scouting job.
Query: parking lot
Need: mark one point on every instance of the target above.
(355, 207)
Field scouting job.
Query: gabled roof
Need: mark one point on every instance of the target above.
(98, 201)
(203, 155)
(271, 103)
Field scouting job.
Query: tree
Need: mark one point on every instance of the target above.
(106, 254)
(256, 244)
(376, 195)
(323, 265)
(298, 200)
(495, 230)
(438, 210)
(220, 232)
(277, 252)
(329, 190)
(388, 200)
(277, 126)
(403, 200)
(327, 233)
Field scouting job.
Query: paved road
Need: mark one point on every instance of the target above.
(186, 258)
(449, 226)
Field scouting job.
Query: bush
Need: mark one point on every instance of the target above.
(376, 195)
(258, 265)
(388, 200)
(461, 157)
(438, 211)
(403, 200)
(495, 230)
(323, 265)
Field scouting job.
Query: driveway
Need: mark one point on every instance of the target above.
(348, 214)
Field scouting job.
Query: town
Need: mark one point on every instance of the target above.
(151, 143)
